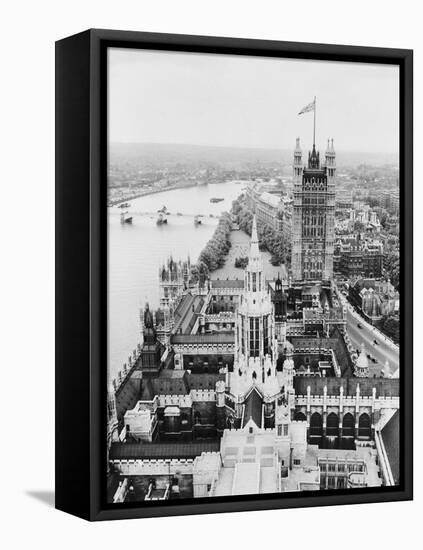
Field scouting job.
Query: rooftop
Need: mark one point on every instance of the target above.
(189, 449)
(385, 387)
(271, 199)
(227, 283)
(368, 455)
(253, 408)
(217, 338)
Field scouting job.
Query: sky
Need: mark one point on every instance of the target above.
(191, 98)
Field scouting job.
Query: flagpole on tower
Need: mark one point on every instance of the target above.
(311, 107)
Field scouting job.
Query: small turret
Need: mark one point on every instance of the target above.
(282, 419)
(298, 162)
(278, 284)
(254, 243)
(314, 159)
(254, 276)
(330, 159)
(362, 365)
(288, 366)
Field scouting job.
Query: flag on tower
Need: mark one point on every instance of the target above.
(310, 107)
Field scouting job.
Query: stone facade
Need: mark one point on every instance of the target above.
(313, 226)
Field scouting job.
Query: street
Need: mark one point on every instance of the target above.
(382, 351)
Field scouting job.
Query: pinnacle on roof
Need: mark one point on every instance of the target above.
(314, 159)
(254, 243)
(148, 318)
(330, 148)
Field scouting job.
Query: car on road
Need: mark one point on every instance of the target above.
(375, 342)
(359, 325)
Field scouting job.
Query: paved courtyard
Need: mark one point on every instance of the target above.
(239, 249)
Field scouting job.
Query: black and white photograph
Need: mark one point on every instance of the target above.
(253, 276)
(210, 241)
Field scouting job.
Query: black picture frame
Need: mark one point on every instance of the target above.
(81, 256)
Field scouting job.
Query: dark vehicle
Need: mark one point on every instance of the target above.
(374, 360)
(359, 325)
(375, 342)
(124, 218)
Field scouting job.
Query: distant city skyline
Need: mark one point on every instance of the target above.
(250, 102)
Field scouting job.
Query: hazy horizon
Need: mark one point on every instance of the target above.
(247, 102)
(284, 149)
(170, 152)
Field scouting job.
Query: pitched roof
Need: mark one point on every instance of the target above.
(189, 449)
(203, 339)
(253, 408)
(227, 283)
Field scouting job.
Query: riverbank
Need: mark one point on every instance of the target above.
(140, 194)
(137, 251)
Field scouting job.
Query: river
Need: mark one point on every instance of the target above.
(135, 253)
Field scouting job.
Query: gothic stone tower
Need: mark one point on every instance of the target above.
(255, 342)
(313, 215)
(151, 349)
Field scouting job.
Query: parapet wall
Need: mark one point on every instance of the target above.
(175, 400)
(385, 387)
(203, 395)
(152, 467)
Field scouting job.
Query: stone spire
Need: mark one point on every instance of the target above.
(254, 276)
(314, 159)
(330, 157)
(255, 342)
(148, 318)
(297, 145)
(254, 242)
(298, 162)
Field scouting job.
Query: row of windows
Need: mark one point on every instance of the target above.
(313, 265)
(282, 430)
(254, 282)
(266, 335)
(254, 336)
(332, 482)
(341, 467)
(314, 201)
(313, 231)
(314, 180)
